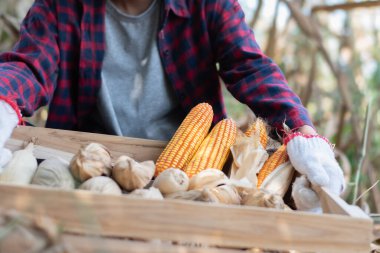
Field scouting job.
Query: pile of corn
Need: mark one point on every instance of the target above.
(190, 167)
(193, 149)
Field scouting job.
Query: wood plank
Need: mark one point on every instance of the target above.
(87, 244)
(221, 225)
(332, 203)
(39, 151)
(71, 141)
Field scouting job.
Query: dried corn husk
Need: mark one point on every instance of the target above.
(171, 180)
(21, 168)
(279, 180)
(91, 161)
(209, 178)
(151, 193)
(262, 198)
(104, 185)
(248, 158)
(225, 194)
(54, 172)
(195, 195)
(21, 234)
(131, 175)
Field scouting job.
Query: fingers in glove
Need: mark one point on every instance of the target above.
(304, 197)
(5, 157)
(336, 183)
(316, 173)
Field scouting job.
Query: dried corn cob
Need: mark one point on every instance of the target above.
(276, 159)
(186, 139)
(259, 125)
(214, 149)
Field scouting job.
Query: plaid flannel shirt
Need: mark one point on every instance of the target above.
(58, 60)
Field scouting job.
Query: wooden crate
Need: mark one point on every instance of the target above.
(100, 223)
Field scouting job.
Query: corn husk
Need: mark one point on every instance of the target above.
(151, 193)
(104, 185)
(54, 172)
(21, 234)
(93, 160)
(262, 198)
(279, 180)
(171, 180)
(248, 158)
(209, 178)
(195, 195)
(21, 168)
(225, 194)
(132, 175)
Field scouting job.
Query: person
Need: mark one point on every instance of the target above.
(136, 67)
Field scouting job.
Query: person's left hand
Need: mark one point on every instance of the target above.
(313, 156)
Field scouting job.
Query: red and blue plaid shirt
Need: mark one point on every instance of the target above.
(58, 61)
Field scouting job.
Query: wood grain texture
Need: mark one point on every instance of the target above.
(39, 152)
(333, 204)
(226, 226)
(87, 244)
(71, 141)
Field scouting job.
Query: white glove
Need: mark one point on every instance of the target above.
(8, 121)
(313, 156)
(304, 197)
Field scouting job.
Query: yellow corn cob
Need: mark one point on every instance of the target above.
(276, 159)
(259, 124)
(186, 139)
(214, 149)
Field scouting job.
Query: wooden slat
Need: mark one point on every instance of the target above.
(333, 204)
(71, 141)
(39, 152)
(86, 244)
(226, 226)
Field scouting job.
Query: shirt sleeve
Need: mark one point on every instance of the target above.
(28, 73)
(250, 76)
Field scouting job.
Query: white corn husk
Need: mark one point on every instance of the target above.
(151, 193)
(103, 185)
(54, 172)
(208, 178)
(195, 195)
(262, 198)
(278, 181)
(132, 175)
(90, 161)
(171, 180)
(21, 168)
(248, 158)
(225, 194)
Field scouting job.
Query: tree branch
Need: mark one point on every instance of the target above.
(345, 6)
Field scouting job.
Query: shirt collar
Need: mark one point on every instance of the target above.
(179, 7)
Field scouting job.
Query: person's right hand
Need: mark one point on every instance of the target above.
(8, 121)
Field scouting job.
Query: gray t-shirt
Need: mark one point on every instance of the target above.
(135, 98)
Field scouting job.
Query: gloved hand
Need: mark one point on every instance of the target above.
(8, 121)
(313, 156)
(304, 197)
